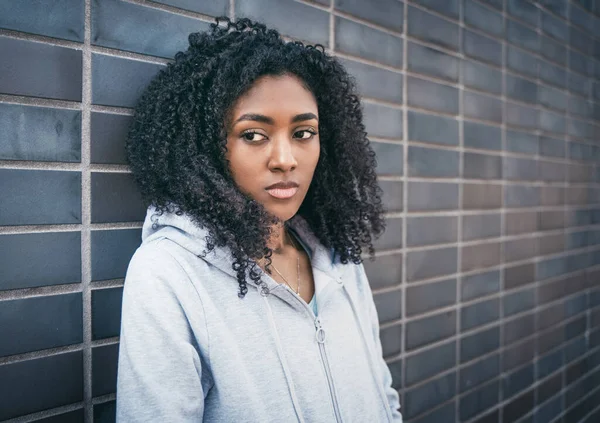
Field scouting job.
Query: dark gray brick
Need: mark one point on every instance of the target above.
(520, 249)
(480, 343)
(552, 122)
(30, 380)
(549, 244)
(521, 35)
(478, 226)
(429, 395)
(478, 135)
(388, 305)
(520, 222)
(579, 16)
(432, 29)
(519, 275)
(556, 7)
(116, 198)
(479, 400)
(483, 18)
(388, 13)
(120, 82)
(479, 372)
(431, 128)
(520, 169)
(430, 162)
(40, 197)
(482, 196)
(479, 285)
(39, 133)
(214, 7)
(521, 195)
(482, 106)
(58, 19)
(522, 62)
(432, 196)
(391, 340)
(553, 98)
(552, 147)
(39, 323)
(111, 252)
(482, 48)
(518, 354)
(580, 40)
(522, 142)
(429, 363)
(427, 230)
(551, 171)
(430, 329)
(518, 301)
(551, 219)
(517, 381)
(309, 23)
(523, 10)
(360, 40)
(426, 60)
(449, 7)
(480, 256)
(375, 82)
(41, 259)
(392, 197)
(108, 135)
(133, 27)
(552, 50)
(523, 116)
(521, 89)
(553, 74)
(382, 121)
(39, 70)
(430, 263)
(106, 312)
(479, 314)
(389, 158)
(481, 166)
(432, 96)
(392, 237)
(385, 271)
(579, 84)
(481, 76)
(104, 369)
(428, 297)
(554, 26)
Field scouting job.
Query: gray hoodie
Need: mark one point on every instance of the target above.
(191, 350)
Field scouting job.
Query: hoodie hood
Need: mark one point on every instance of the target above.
(182, 230)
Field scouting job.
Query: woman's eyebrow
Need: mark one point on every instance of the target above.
(304, 116)
(256, 117)
(269, 121)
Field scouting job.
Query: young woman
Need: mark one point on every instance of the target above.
(247, 300)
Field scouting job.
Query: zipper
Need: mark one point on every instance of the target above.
(320, 335)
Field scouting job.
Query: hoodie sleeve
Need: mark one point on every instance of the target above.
(160, 370)
(384, 371)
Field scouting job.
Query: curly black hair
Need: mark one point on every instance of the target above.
(177, 142)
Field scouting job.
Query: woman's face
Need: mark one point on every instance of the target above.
(272, 137)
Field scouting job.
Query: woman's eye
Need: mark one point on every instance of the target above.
(253, 136)
(304, 134)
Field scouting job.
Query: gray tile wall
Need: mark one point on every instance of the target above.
(485, 115)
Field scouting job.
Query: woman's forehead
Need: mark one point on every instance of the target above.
(279, 95)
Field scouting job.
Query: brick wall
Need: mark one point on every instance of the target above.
(485, 115)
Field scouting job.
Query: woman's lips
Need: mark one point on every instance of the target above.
(283, 193)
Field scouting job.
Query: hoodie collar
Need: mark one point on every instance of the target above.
(182, 230)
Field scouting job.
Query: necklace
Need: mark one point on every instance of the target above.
(297, 291)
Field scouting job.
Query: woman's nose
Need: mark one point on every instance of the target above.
(282, 155)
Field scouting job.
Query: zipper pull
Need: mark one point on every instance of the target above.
(320, 334)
